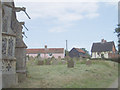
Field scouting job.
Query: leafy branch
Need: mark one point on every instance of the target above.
(117, 30)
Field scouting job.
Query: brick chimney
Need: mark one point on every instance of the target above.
(103, 41)
(45, 46)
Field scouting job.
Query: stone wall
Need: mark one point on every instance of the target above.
(9, 77)
(13, 55)
(0, 45)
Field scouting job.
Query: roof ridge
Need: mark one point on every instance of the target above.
(44, 48)
(99, 47)
(104, 42)
(80, 49)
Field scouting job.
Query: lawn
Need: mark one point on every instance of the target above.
(98, 75)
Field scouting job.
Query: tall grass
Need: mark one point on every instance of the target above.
(98, 75)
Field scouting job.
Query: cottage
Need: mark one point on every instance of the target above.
(46, 52)
(77, 52)
(103, 49)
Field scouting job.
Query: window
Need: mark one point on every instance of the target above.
(50, 54)
(98, 53)
(8, 46)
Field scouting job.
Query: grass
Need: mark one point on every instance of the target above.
(99, 75)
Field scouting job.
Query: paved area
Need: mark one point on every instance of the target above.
(0, 80)
(115, 83)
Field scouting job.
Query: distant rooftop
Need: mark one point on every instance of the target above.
(102, 46)
(45, 50)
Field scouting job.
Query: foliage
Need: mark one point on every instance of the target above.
(86, 52)
(66, 53)
(115, 59)
(102, 55)
(117, 30)
(38, 55)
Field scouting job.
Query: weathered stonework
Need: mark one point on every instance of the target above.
(8, 48)
(12, 46)
(0, 45)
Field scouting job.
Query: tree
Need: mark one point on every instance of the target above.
(86, 52)
(66, 53)
(117, 30)
(102, 55)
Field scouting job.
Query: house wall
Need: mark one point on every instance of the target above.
(73, 53)
(82, 55)
(113, 55)
(96, 55)
(56, 55)
(32, 55)
(113, 49)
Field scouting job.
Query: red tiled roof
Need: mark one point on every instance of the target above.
(80, 50)
(48, 50)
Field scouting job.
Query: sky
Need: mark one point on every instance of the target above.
(81, 23)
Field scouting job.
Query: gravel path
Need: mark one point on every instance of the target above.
(0, 80)
(114, 84)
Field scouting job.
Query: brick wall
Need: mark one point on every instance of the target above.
(113, 55)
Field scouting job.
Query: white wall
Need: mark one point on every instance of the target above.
(56, 55)
(32, 55)
(95, 54)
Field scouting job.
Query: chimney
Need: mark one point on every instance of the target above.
(45, 46)
(103, 41)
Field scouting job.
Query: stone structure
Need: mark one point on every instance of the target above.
(0, 45)
(13, 48)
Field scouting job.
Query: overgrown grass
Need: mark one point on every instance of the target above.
(100, 74)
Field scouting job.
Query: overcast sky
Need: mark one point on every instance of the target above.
(81, 23)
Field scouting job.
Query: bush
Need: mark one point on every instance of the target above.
(96, 59)
(83, 62)
(39, 62)
(116, 59)
(47, 61)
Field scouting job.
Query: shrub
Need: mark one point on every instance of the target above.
(83, 62)
(116, 59)
(47, 61)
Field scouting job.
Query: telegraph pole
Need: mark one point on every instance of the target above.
(66, 45)
(66, 51)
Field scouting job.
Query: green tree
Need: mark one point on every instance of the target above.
(86, 52)
(66, 53)
(117, 30)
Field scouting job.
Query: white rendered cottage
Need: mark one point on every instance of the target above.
(103, 49)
